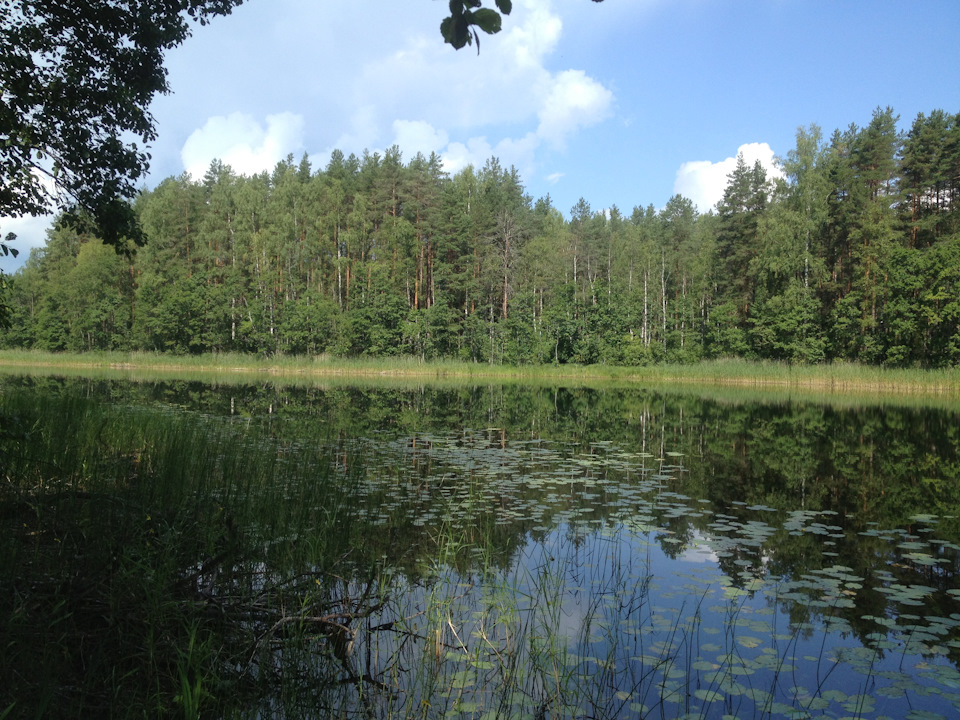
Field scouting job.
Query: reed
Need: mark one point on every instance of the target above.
(169, 565)
(833, 378)
(139, 548)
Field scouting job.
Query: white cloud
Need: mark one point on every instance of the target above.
(458, 155)
(516, 152)
(519, 152)
(424, 97)
(553, 178)
(364, 132)
(508, 85)
(413, 136)
(575, 101)
(704, 182)
(535, 37)
(241, 142)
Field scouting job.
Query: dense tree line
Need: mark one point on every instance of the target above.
(854, 255)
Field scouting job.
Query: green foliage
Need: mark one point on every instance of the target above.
(6, 250)
(378, 257)
(459, 28)
(76, 79)
(930, 180)
(117, 523)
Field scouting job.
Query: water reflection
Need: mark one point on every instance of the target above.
(604, 623)
(615, 552)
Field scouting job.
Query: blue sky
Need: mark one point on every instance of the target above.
(624, 102)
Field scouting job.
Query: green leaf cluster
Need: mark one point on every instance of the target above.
(77, 82)
(459, 28)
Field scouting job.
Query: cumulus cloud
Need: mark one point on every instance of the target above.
(458, 155)
(516, 152)
(408, 89)
(471, 101)
(563, 103)
(413, 136)
(534, 37)
(575, 101)
(240, 141)
(704, 182)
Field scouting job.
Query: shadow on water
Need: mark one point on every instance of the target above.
(495, 551)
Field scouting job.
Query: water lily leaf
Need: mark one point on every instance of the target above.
(704, 665)
(859, 704)
(708, 695)
(948, 675)
(671, 692)
(758, 695)
(788, 711)
(834, 695)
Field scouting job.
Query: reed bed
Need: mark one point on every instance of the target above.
(832, 378)
(164, 564)
(148, 555)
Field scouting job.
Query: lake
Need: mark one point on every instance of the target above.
(549, 551)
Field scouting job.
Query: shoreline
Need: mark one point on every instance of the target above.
(833, 378)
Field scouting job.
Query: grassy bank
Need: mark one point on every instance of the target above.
(832, 378)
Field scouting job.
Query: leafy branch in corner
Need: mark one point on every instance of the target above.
(460, 28)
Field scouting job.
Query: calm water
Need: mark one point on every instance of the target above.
(625, 552)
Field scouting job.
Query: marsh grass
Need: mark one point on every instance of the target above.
(832, 378)
(543, 639)
(150, 561)
(169, 565)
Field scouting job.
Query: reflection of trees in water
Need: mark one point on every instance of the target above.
(427, 504)
(871, 466)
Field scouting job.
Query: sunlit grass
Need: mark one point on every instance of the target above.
(833, 378)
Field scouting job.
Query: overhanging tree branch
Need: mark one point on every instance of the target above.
(466, 16)
(76, 81)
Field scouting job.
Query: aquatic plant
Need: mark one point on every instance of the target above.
(164, 560)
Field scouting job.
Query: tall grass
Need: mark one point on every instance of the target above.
(839, 377)
(143, 553)
(170, 565)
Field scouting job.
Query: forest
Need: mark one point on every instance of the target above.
(854, 255)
